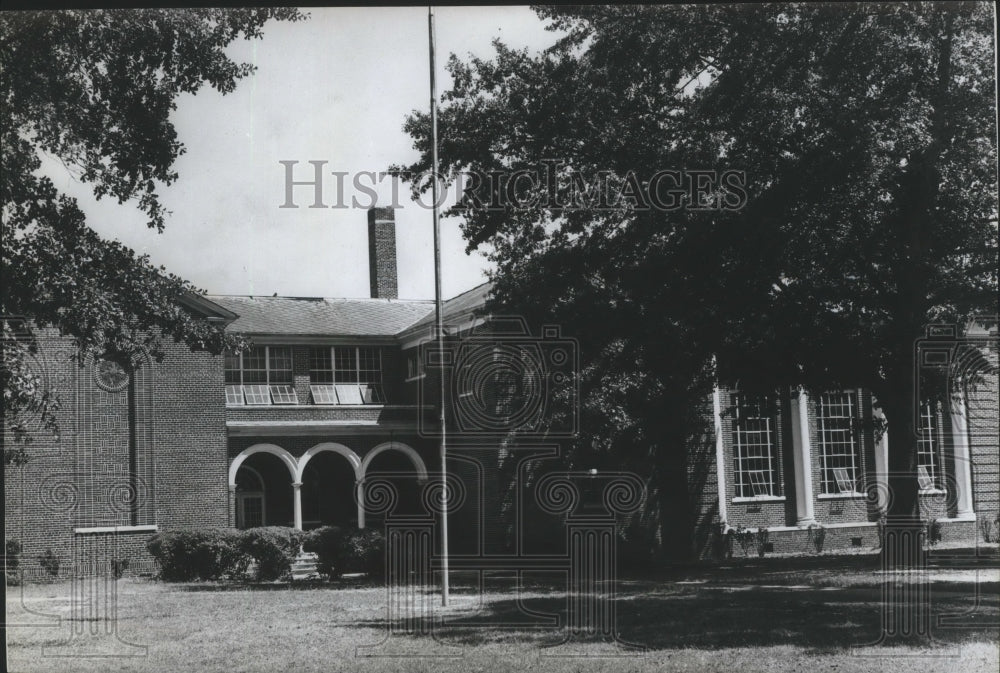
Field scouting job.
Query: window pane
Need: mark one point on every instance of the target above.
(839, 443)
(232, 367)
(234, 394)
(280, 361)
(257, 394)
(345, 364)
(369, 365)
(323, 394)
(349, 394)
(255, 365)
(372, 393)
(320, 365)
(756, 468)
(927, 447)
(283, 394)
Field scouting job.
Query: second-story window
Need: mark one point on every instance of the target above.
(346, 375)
(260, 375)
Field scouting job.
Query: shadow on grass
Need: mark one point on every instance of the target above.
(728, 614)
(281, 585)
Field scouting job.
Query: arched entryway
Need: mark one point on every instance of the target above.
(324, 486)
(400, 465)
(329, 474)
(262, 480)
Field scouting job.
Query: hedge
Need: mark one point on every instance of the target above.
(340, 551)
(273, 548)
(212, 554)
(206, 554)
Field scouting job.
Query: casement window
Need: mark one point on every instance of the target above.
(755, 450)
(929, 448)
(838, 417)
(346, 375)
(259, 376)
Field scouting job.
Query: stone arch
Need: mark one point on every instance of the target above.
(418, 462)
(334, 447)
(273, 449)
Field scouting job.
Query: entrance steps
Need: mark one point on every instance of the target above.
(304, 566)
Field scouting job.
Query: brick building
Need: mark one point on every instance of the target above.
(334, 394)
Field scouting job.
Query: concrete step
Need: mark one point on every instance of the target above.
(304, 566)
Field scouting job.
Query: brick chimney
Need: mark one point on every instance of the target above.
(382, 253)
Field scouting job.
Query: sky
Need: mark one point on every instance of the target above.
(335, 88)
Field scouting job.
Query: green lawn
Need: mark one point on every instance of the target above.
(740, 618)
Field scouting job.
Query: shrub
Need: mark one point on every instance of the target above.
(327, 543)
(990, 526)
(12, 560)
(354, 551)
(817, 534)
(636, 551)
(49, 562)
(746, 538)
(364, 552)
(118, 567)
(274, 548)
(762, 538)
(201, 554)
(933, 528)
(726, 546)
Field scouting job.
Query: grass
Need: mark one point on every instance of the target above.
(745, 617)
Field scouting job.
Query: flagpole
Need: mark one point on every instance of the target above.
(438, 315)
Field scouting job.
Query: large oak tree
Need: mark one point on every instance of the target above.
(867, 134)
(95, 89)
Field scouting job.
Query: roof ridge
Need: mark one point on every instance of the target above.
(380, 300)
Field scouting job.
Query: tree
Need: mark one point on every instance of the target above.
(867, 137)
(95, 90)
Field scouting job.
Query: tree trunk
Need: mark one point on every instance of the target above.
(901, 545)
(673, 490)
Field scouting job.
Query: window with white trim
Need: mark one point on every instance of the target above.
(260, 375)
(928, 448)
(839, 442)
(346, 375)
(755, 449)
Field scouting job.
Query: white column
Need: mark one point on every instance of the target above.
(360, 486)
(720, 458)
(882, 466)
(963, 458)
(297, 503)
(802, 460)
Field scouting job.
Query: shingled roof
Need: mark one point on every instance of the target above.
(457, 309)
(319, 316)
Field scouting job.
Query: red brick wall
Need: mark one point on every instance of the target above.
(83, 478)
(842, 512)
(983, 401)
